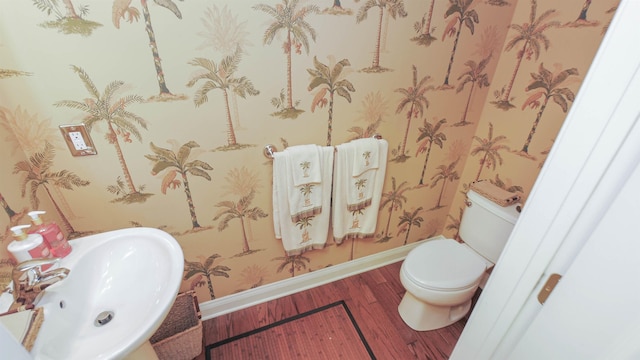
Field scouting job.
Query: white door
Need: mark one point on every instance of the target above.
(594, 311)
(595, 154)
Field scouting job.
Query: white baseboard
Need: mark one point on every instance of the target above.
(278, 289)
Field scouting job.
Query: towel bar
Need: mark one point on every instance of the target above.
(269, 149)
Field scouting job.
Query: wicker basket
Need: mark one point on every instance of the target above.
(180, 335)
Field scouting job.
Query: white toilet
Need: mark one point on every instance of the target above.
(441, 276)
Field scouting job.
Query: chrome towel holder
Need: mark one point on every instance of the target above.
(268, 150)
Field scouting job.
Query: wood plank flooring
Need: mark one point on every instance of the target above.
(373, 299)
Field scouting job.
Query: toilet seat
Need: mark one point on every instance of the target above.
(443, 265)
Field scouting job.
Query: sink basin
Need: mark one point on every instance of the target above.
(121, 286)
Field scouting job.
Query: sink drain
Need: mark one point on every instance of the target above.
(104, 318)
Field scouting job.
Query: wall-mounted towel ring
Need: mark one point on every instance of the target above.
(268, 151)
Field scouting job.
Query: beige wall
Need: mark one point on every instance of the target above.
(43, 56)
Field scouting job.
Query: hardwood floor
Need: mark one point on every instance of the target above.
(373, 299)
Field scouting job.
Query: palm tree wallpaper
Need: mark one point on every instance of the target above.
(121, 124)
(220, 76)
(122, 9)
(330, 80)
(36, 173)
(461, 90)
(290, 18)
(179, 163)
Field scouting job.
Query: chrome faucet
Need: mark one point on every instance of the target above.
(30, 280)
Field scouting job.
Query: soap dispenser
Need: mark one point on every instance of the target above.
(53, 236)
(27, 246)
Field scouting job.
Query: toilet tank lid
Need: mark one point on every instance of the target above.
(444, 264)
(508, 213)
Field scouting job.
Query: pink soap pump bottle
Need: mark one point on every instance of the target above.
(53, 236)
(28, 246)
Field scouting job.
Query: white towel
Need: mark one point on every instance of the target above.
(305, 176)
(359, 223)
(310, 232)
(305, 164)
(365, 154)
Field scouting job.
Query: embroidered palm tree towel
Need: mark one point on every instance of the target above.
(494, 193)
(366, 154)
(355, 221)
(305, 181)
(309, 230)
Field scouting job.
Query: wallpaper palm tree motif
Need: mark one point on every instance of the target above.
(582, 18)
(7, 73)
(475, 76)
(221, 76)
(240, 210)
(122, 9)
(32, 132)
(502, 185)
(409, 219)
(394, 199)
(423, 28)
(121, 123)
(205, 269)
(374, 109)
(253, 276)
(532, 36)
(15, 218)
(415, 99)
(461, 14)
(337, 8)
(36, 173)
(242, 182)
(445, 173)
(429, 134)
(224, 33)
(330, 80)
(291, 19)
(7, 209)
(454, 224)
(395, 8)
(165, 160)
(68, 20)
(442, 140)
(546, 85)
(489, 149)
(292, 263)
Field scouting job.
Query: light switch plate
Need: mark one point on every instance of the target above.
(78, 140)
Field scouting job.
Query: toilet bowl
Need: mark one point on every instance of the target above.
(440, 276)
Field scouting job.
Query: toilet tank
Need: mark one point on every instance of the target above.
(486, 226)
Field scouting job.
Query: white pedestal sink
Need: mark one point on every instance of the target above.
(121, 287)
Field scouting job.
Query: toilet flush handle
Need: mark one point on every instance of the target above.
(468, 203)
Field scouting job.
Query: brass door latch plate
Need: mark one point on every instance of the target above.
(548, 287)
